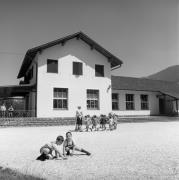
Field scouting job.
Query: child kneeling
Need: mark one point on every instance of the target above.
(69, 146)
(47, 150)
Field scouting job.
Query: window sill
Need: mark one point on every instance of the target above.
(94, 109)
(59, 109)
(52, 72)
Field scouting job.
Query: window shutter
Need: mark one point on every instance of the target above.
(77, 68)
(99, 70)
(52, 66)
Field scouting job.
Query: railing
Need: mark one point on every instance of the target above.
(17, 113)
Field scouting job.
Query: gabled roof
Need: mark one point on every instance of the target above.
(31, 53)
(143, 84)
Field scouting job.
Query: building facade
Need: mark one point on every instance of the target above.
(76, 71)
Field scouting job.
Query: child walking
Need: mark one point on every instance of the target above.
(88, 122)
(115, 121)
(79, 119)
(69, 146)
(103, 122)
(111, 123)
(95, 122)
(47, 150)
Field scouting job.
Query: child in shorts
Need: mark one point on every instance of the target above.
(88, 122)
(111, 122)
(47, 150)
(95, 122)
(103, 122)
(69, 146)
(115, 117)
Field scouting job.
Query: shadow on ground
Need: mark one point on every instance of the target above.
(9, 174)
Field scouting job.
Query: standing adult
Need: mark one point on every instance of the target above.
(79, 117)
(3, 110)
(10, 111)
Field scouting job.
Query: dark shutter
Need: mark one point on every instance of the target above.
(77, 68)
(52, 66)
(99, 70)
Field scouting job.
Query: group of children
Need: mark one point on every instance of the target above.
(47, 151)
(99, 123)
(6, 112)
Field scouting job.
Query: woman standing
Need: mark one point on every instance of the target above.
(79, 117)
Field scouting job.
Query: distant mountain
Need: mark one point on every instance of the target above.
(169, 74)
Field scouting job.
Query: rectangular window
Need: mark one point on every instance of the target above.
(115, 101)
(52, 66)
(99, 70)
(130, 102)
(60, 98)
(77, 68)
(92, 99)
(144, 102)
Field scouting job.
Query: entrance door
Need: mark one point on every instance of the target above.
(162, 106)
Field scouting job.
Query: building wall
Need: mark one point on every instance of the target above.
(175, 110)
(152, 99)
(31, 103)
(73, 50)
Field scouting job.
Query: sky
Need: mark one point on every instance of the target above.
(144, 34)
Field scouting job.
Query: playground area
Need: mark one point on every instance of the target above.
(133, 151)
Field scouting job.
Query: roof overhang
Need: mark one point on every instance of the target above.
(171, 94)
(31, 53)
(16, 90)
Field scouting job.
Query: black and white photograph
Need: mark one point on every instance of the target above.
(89, 90)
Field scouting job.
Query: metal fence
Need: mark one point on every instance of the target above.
(17, 113)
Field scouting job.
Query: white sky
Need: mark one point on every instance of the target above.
(142, 33)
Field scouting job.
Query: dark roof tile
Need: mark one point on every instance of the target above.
(31, 53)
(143, 84)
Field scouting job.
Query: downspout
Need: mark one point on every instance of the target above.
(36, 64)
(165, 105)
(177, 107)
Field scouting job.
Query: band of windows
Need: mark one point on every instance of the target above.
(130, 101)
(60, 100)
(77, 68)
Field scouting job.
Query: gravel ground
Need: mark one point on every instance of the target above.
(133, 151)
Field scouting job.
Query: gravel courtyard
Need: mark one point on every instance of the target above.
(134, 151)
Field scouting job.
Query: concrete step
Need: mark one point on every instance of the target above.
(13, 122)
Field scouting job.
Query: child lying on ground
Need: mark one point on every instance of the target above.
(69, 146)
(47, 150)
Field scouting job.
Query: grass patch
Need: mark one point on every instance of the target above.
(9, 174)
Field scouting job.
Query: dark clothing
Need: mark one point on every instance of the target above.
(79, 121)
(42, 157)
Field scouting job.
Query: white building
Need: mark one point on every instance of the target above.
(140, 96)
(76, 71)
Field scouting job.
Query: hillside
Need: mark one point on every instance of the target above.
(169, 74)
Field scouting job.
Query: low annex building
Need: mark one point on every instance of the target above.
(76, 71)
